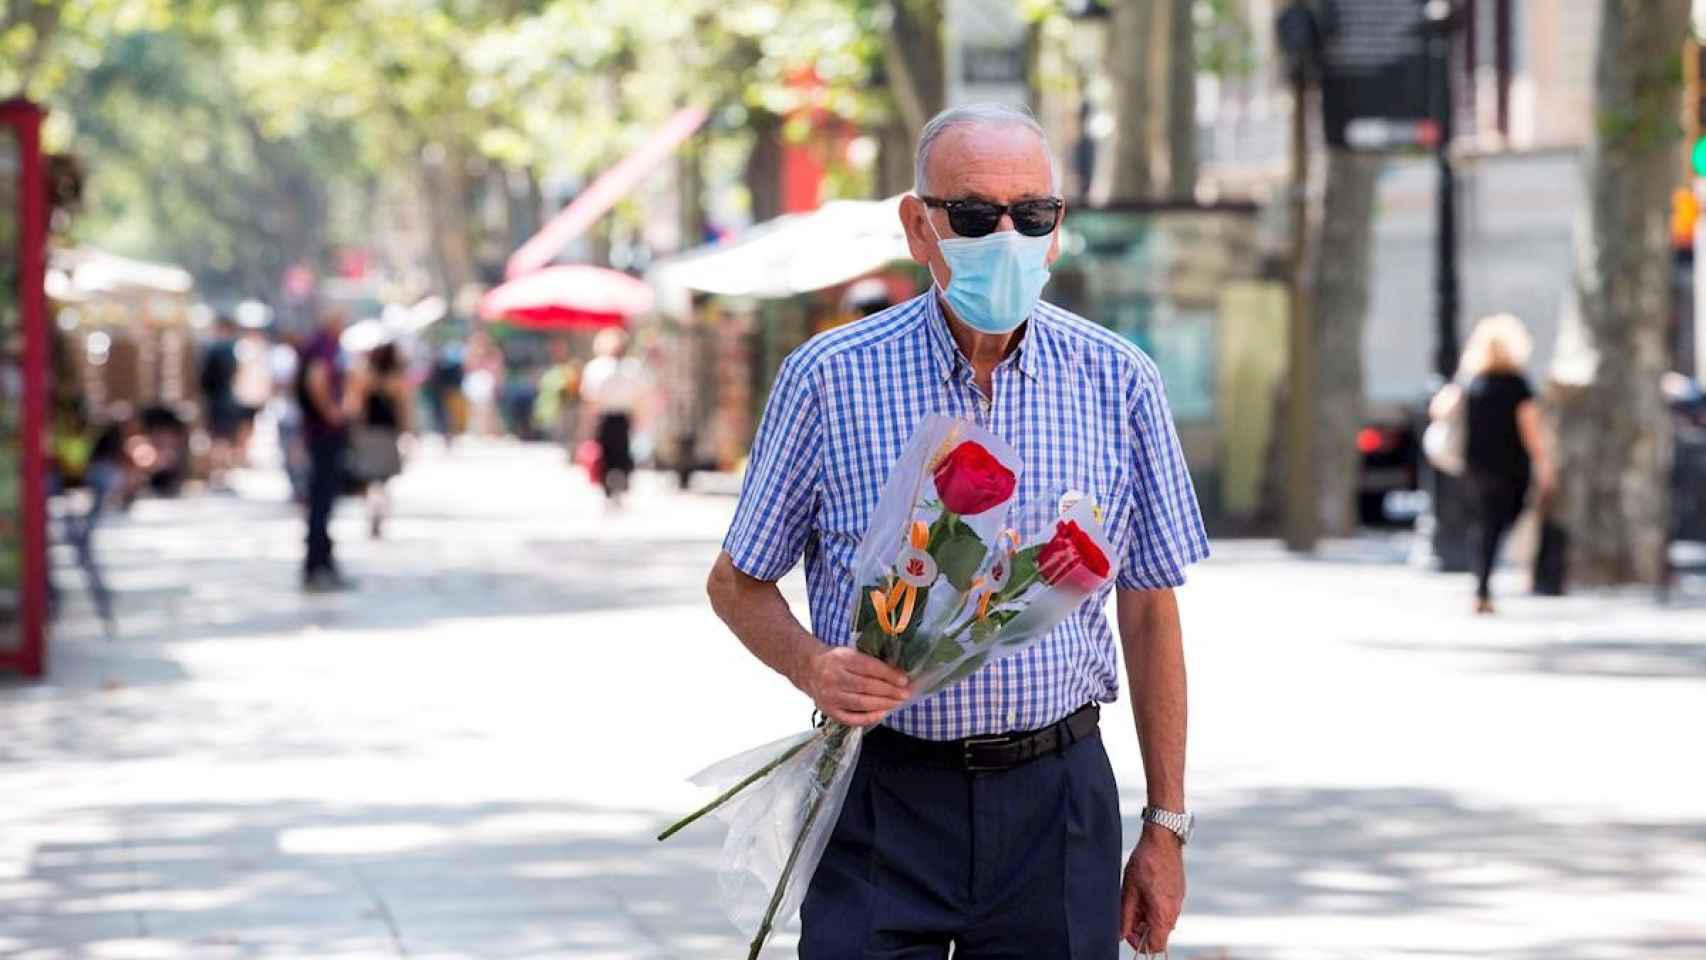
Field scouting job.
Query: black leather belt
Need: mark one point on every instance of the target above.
(989, 754)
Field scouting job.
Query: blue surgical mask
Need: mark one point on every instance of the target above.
(997, 279)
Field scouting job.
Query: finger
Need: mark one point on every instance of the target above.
(1158, 936)
(860, 703)
(868, 666)
(872, 687)
(853, 718)
(1159, 914)
(1131, 914)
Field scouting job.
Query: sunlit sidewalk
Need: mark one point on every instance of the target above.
(468, 756)
(246, 771)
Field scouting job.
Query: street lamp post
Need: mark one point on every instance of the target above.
(1450, 507)
(1441, 24)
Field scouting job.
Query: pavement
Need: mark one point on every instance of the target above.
(468, 757)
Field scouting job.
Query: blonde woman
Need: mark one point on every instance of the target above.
(1506, 452)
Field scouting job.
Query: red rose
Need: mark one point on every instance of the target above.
(1072, 559)
(970, 480)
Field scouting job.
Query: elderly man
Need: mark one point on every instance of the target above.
(944, 840)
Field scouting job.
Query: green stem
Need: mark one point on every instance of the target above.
(764, 926)
(747, 782)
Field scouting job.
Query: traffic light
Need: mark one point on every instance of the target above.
(1684, 211)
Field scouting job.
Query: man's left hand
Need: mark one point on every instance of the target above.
(1153, 891)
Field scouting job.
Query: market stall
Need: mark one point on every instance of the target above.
(125, 336)
(730, 311)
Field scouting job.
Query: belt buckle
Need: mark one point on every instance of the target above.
(971, 743)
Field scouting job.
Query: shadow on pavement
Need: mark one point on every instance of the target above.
(1403, 852)
(1588, 657)
(502, 880)
(489, 880)
(216, 595)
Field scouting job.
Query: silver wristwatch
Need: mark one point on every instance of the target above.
(1179, 824)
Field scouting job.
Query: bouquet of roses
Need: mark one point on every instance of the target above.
(946, 585)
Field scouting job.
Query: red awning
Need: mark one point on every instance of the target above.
(602, 194)
(567, 297)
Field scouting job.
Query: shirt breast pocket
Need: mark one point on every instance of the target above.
(1043, 503)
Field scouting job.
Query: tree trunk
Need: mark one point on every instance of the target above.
(690, 182)
(895, 146)
(1341, 297)
(444, 179)
(912, 68)
(524, 204)
(1127, 175)
(1614, 443)
(912, 59)
(764, 166)
(1181, 102)
(43, 20)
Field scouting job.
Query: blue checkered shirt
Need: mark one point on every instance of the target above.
(1083, 407)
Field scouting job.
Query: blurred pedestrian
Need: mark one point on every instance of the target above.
(285, 357)
(252, 388)
(377, 403)
(557, 408)
(97, 457)
(612, 386)
(320, 390)
(109, 477)
(222, 413)
(864, 298)
(444, 385)
(1505, 453)
(482, 385)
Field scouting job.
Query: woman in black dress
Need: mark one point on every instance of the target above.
(377, 404)
(1506, 453)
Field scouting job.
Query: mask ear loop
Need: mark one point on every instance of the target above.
(931, 267)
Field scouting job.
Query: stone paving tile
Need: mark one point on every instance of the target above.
(429, 767)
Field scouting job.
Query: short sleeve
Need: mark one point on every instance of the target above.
(1521, 392)
(1166, 532)
(778, 497)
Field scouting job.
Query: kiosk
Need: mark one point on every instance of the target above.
(23, 390)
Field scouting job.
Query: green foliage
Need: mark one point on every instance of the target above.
(1224, 46)
(208, 125)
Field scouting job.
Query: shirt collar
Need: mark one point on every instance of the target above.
(950, 360)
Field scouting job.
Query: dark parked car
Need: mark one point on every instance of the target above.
(1389, 471)
(1688, 473)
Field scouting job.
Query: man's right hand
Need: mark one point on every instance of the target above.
(852, 687)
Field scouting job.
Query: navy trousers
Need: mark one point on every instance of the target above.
(1021, 864)
(325, 482)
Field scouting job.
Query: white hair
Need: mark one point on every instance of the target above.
(979, 115)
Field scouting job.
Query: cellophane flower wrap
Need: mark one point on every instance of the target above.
(950, 576)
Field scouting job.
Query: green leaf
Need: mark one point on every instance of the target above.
(959, 557)
(914, 651)
(947, 650)
(967, 669)
(1023, 574)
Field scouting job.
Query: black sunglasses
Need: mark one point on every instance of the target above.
(978, 218)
